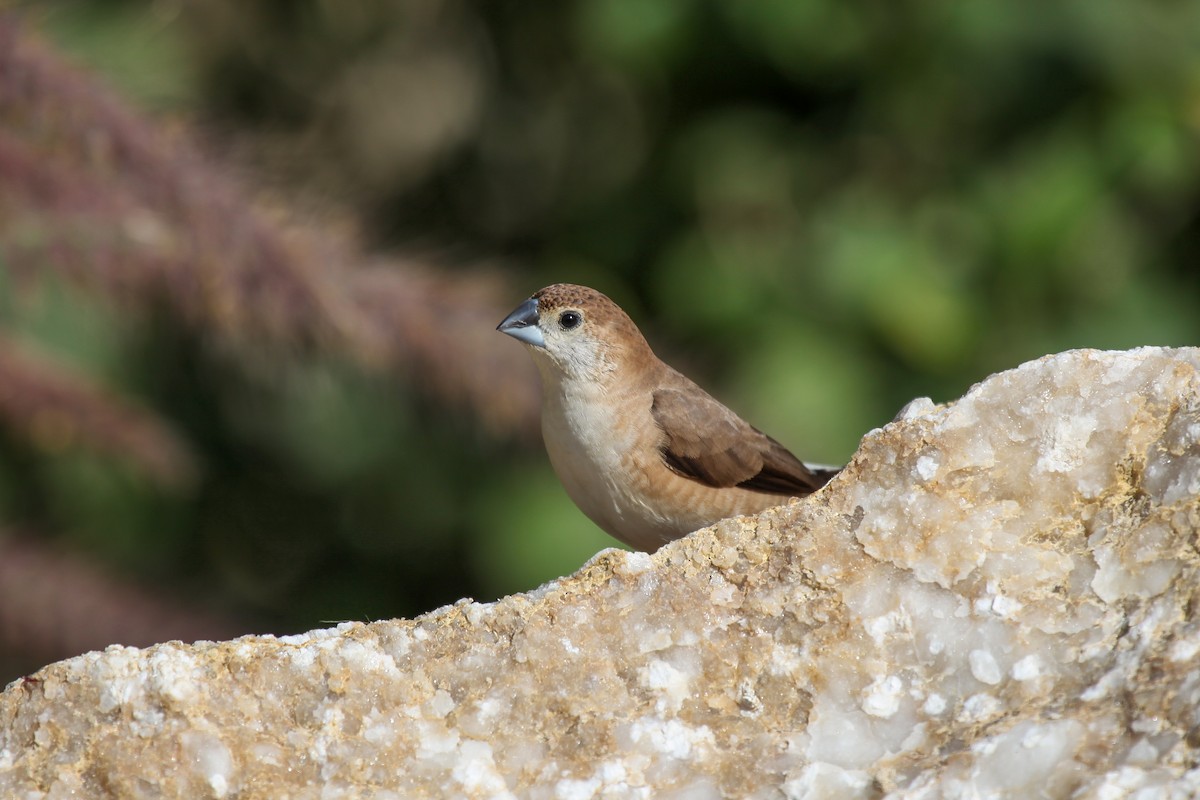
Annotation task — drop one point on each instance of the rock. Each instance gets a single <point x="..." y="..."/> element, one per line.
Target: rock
<point x="998" y="598"/>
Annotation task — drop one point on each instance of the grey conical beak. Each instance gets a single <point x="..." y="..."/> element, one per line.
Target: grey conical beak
<point x="522" y="324"/>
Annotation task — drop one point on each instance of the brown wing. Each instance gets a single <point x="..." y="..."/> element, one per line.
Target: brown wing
<point x="707" y="442"/>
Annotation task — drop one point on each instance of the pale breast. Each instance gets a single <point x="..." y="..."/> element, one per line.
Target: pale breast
<point x="605" y="453"/>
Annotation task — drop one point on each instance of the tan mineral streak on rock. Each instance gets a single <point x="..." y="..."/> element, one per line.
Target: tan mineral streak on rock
<point x="998" y="598"/>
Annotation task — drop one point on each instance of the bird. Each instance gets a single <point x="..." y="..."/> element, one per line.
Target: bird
<point x="641" y="449"/>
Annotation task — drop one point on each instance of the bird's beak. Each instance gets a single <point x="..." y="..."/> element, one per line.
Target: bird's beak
<point x="522" y="324"/>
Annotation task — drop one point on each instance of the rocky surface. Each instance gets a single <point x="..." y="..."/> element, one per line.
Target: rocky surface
<point x="998" y="598"/>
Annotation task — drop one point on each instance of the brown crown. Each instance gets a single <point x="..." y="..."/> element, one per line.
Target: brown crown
<point x="597" y="308"/>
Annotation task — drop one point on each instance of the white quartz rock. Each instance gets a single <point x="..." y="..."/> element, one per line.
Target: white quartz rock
<point x="999" y="597"/>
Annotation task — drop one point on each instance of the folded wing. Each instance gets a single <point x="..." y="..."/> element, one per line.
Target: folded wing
<point x="706" y="442"/>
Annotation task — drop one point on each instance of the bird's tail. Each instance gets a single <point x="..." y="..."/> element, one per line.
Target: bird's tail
<point x="823" y="472"/>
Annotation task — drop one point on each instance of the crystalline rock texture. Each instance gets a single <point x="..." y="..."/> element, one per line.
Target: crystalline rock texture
<point x="998" y="598"/>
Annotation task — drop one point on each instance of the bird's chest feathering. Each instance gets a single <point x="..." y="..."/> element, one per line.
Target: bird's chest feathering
<point x="597" y="442"/>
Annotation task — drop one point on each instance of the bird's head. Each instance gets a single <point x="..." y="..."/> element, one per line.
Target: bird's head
<point x="575" y="331"/>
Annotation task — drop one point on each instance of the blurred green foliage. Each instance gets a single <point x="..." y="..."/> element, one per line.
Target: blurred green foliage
<point x="819" y="209"/>
<point x="839" y="204"/>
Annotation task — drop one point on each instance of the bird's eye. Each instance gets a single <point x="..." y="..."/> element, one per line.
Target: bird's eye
<point x="569" y="319"/>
